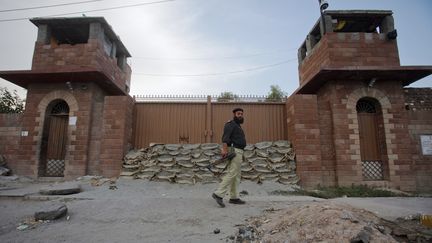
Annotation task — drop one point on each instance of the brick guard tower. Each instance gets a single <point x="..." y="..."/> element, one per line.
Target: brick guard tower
<point x="347" y="120"/>
<point x="77" y="118"/>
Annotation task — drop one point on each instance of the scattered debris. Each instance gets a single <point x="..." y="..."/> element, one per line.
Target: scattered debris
<point x="51" y="212"/>
<point x="408" y="229"/>
<point x="363" y="236"/>
<point x="426" y="220"/>
<point x="315" y="222"/>
<point x="61" y="189"/>
<point x="244" y="193"/>
<point x="23" y="227"/>
<point x="4" y="170"/>
<point x="245" y="234"/>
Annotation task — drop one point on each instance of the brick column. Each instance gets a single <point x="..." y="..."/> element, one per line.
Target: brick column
<point x="304" y="133"/>
<point x="116" y="133"/>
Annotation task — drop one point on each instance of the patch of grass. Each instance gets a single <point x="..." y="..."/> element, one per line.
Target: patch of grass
<point x="334" y="192"/>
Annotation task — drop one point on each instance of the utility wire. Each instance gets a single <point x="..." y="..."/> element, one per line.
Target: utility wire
<point x="48" y="6"/>
<point x="211" y="58"/>
<point x="93" y="10"/>
<point x="217" y="74"/>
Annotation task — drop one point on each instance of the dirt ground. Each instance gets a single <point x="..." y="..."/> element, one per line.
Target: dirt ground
<point x="142" y="211"/>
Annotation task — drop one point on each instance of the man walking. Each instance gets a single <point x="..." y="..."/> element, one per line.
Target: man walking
<point x="233" y="138"/>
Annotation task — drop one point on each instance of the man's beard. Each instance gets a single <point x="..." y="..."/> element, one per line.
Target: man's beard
<point x="239" y="120"/>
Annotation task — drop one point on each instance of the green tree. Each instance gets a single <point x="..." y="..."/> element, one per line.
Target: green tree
<point x="10" y="102"/>
<point x="226" y="97"/>
<point x="276" y="94"/>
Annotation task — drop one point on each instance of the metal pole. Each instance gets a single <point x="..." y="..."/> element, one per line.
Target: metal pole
<point x="322" y="7"/>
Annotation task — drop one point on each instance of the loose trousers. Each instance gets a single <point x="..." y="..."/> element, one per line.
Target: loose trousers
<point x="231" y="180"/>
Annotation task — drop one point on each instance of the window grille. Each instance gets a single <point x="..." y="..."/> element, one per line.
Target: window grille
<point x="365" y="106"/>
<point x="61" y="108"/>
<point x="373" y="170"/>
<point x="55" y="168"/>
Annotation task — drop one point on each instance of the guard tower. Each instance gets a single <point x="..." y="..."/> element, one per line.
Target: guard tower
<point x="77" y="119"/>
<point x="347" y="119"/>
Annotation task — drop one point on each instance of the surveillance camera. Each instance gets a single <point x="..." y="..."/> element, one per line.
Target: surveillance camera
<point x="323" y="4"/>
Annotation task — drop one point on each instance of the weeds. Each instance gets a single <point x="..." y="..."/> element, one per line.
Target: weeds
<point x="334" y="192"/>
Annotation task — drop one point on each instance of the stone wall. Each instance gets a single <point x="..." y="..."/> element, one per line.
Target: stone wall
<point x="187" y="163"/>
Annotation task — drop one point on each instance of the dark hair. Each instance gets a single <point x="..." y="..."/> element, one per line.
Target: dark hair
<point x="237" y="109"/>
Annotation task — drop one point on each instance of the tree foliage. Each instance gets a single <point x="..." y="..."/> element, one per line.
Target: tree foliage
<point x="227" y="96"/>
<point x="10" y="102"/>
<point x="276" y="94"/>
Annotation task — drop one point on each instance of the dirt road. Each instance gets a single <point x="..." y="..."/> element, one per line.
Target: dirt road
<point x="143" y="211"/>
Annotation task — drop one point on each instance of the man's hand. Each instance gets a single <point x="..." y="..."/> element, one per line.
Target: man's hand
<point x="224" y="150"/>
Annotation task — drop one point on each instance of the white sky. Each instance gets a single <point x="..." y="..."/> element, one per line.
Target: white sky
<point x="221" y="37"/>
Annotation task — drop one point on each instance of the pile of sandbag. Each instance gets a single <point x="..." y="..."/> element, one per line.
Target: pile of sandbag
<point x="187" y="163"/>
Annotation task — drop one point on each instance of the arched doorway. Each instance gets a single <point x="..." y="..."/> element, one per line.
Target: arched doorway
<point x="53" y="146"/>
<point x="372" y="141"/>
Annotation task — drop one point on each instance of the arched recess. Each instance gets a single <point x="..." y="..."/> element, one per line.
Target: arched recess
<point x="54" y="139"/>
<point x="53" y="107"/>
<point x="372" y="139"/>
<point x="372" y="103"/>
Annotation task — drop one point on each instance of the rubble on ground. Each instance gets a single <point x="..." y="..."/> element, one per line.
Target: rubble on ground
<point x="4" y="171"/>
<point x="329" y="222"/>
<point x="65" y="188"/>
<point x="316" y="222"/>
<point x="51" y="212"/>
<point x="187" y="163"/>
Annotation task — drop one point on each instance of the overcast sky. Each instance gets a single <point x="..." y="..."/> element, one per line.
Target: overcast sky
<point x="207" y="47"/>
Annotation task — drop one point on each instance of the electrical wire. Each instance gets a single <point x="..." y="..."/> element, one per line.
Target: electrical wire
<point x="211" y="58"/>
<point x="93" y="10"/>
<point x="48" y="6"/>
<point x="216" y="74"/>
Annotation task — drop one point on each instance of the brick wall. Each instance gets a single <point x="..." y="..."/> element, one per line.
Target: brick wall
<point x="95" y="145"/>
<point x="10" y="136"/>
<point x="116" y="133"/>
<point x="39" y="97"/>
<point x="79" y="57"/>
<point x="324" y="130"/>
<point x="93" y="166"/>
<point x="304" y="133"/>
<point x="328" y="153"/>
<point x="349" y="49"/>
<point x="418" y="101"/>
<point x="393" y="122"/>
